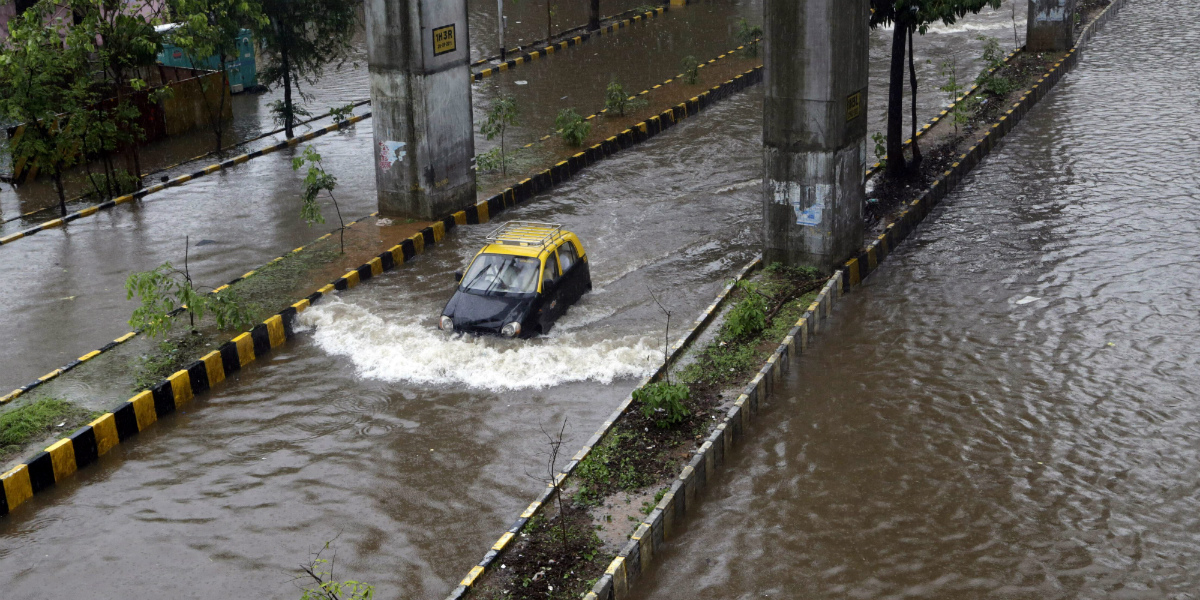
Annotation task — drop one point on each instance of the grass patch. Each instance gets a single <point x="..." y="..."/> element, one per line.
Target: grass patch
<point x="36" y="420"/>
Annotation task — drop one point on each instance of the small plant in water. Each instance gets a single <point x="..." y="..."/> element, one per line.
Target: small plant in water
<point x="880" y="148"/>
<point x="164" y="288"/>
<point x="749" y="35"/>
<point x="616" y="101"/>
<point x="316" y="180"/>
<point x="341" y="113"/>
<point x="319" y="583"/>
<point x="501" y="115"/>
<point x="691" y="70"/>
<point x="961" y="107"/>
<point x="574" y="128"/>
<point x="991" y="80"/>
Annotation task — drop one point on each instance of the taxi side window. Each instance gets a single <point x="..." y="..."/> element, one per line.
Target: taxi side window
<point x="567" y="256"/>
<point x="550" y="273"/>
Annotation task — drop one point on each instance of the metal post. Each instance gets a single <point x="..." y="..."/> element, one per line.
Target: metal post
<point x="500" y="16"/>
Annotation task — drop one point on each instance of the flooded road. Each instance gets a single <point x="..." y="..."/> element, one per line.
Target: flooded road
<point x="64" y="294"/>
<point x="1008" y="407"/>
<point x="413" y="445"/>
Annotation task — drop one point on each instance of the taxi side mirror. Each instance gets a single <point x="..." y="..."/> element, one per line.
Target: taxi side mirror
<point x="458" y="275"/>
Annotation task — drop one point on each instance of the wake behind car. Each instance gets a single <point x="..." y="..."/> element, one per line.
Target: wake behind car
<point x="520" y="283"/>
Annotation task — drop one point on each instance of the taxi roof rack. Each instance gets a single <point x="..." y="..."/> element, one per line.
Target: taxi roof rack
<point x="526" y="233"/>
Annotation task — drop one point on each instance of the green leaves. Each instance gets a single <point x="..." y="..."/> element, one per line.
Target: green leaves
<point x="749" y="316"/>
<point x="164" y="288"/>
<point x="749" y="35"/>
<point x="663" y="402"/>
<point x="691" y="70"/>
<point x="573" y="128"/>
<point x="616" y="101"/>
<point x="316" y="180"/>
<point x="501" y="115"/>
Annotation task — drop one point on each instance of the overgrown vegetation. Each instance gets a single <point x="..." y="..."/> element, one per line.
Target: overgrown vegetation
<point x="573" y="128"/>
<point x="37" y="420"/>
<point x="994" y="83"/>
<point x="663" y="403"/>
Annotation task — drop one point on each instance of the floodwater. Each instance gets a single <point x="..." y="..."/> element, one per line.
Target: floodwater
<point x="411" y="445"/>
<point x="414" y="450"/>
<point x="1008" y="408"/>
<point x="64" y="293"/>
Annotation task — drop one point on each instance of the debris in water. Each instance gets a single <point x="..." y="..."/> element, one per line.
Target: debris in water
<point x="61" y="424"/>
<point x="1027" y="300"/>
<point x="205" y="242"/>
<point x="522" y="82"/>
<point x="383" y="222"/>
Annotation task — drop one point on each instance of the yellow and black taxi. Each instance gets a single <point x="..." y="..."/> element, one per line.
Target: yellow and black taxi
<point x="523" y="280"/>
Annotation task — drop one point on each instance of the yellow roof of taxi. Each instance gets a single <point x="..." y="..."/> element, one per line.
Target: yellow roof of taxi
<point x="525" y="238"/>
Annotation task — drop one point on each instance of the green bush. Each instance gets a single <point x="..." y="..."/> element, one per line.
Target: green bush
<point x="617" y="101"/>
<point x="490" y="161"/>
<point x="691" y="70"/>
<point x="748" y="317"/>
<point x="574" y="128"/>
<point x="663" y="402"/>
<point x="749" y="35"/>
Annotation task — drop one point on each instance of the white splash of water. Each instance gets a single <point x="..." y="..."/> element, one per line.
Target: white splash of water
<point x="415" y="352"/>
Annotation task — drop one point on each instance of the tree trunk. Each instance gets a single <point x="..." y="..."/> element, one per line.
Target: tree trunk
<point x="912" y="83"/>
<point x="62" y="194"/>
<point x="895" y="109"/>
<point x="288" y="115"/>
<point x="219" y="121"/>
<point x="594" y="16"/>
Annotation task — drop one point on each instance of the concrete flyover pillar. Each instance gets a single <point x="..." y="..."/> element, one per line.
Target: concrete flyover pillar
<point x="1051" y="25"/>
<point x="814" y="130"/>
<point x="419" y="59"/>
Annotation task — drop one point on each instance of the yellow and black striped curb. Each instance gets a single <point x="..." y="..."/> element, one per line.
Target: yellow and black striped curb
<point x="62" y="459"/>
<point x="182" y="179"/>
<point x="644" y="92"/>
<point x="875" y="168"/>
<point x="13" y="395"/>
<point x="577" y="40"/>
<point x="664" y="522"/>
<point x="547" y="494"/>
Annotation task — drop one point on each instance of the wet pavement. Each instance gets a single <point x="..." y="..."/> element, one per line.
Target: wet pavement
<point x="413" y="445"/>
<point x="64" y="291"/>
<point x="1007" y="408"/>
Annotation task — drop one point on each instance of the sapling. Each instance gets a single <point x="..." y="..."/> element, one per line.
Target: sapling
<point x="317" y="581"/>
<point x="691" y="70"/>
<point x="749" y="35"/>
<point x="317" y="180"/>
<point x="164" y="288"/>
<point x="617" y="101"/>
<point x="573" y="127"/>
<point x="501" y="115"/>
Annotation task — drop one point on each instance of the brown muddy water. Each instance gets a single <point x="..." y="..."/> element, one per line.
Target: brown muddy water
<point x="1008" y="408"/>
<point x="64" y="291"/>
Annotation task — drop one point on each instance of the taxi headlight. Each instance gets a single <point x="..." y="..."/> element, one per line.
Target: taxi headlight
<point x="511" y="330"/>
<point x="446" y="324"/>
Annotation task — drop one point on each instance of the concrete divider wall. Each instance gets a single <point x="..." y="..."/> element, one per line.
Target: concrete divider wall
<point x="664" y="521"/>
<point x="89" y="443"/>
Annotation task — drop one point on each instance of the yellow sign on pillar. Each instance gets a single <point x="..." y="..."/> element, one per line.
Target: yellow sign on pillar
<point x="444" y="40"/>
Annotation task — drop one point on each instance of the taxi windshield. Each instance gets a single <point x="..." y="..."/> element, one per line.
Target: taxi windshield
<point x="502" y="274"/>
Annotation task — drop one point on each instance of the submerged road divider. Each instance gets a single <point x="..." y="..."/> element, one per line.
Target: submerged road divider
<point x="575" y="40"/>
<point x="86" y="445"/>
<point x="665" y="521"/>
<point x="182" y="179"/>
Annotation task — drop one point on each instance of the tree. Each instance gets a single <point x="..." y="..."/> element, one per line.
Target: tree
<point x="908" y="16"/>
<point x="749" y="35"/>
<point x="299" y="38"/>
<point x="212" y="28"/>
<point x="594" y="15"/>
<point x="617" y="101"/>
<point x="501" y="115"/>
<point x="162" y="289"/>
<point x="44" y="67"/>
<point x="316" y="180"/>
